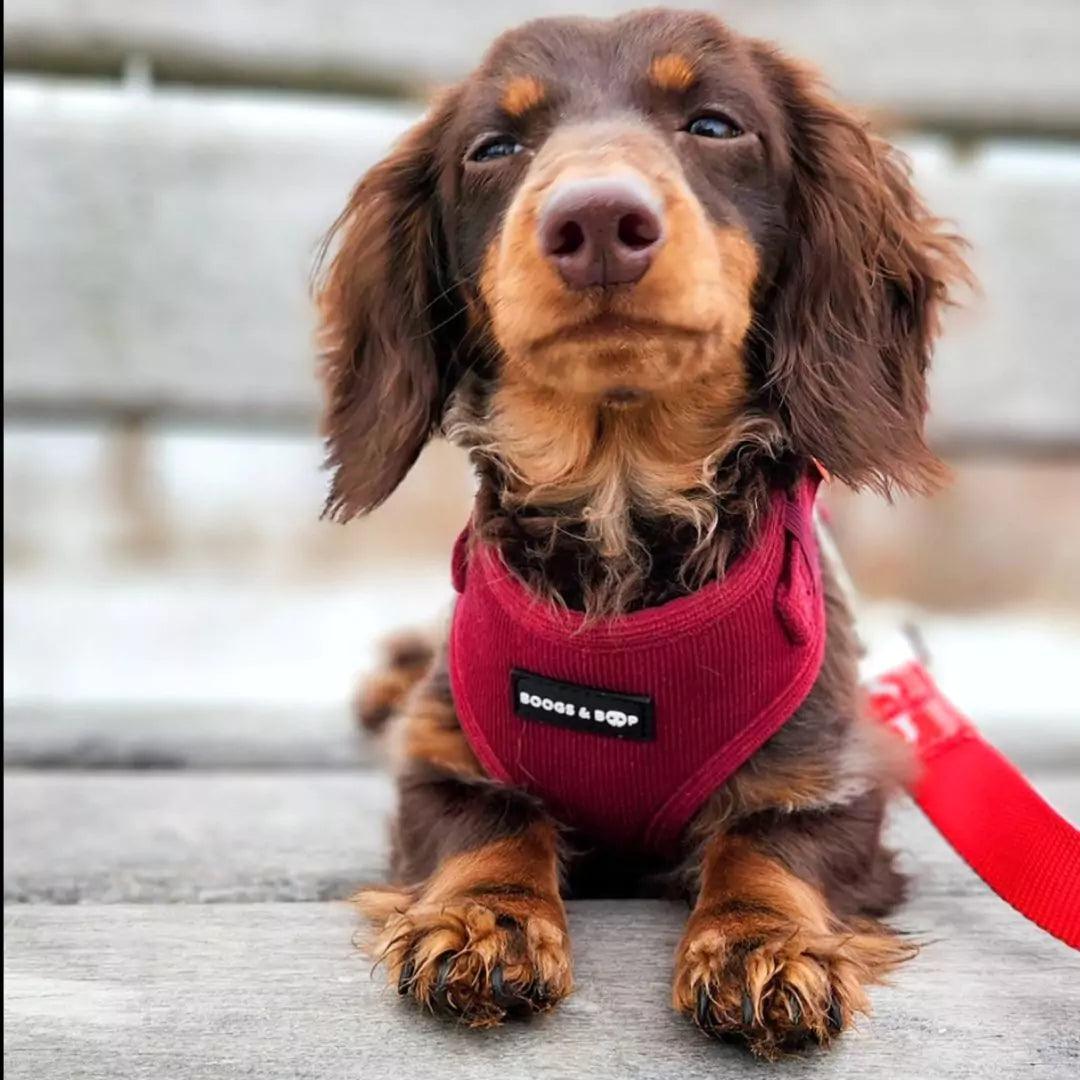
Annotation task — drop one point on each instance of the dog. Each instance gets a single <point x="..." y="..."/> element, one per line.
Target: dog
<point x="657" y="283"/>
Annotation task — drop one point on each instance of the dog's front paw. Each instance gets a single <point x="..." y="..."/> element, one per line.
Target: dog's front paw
<point x="776" y="986"/>
<point x="478" y="961"/>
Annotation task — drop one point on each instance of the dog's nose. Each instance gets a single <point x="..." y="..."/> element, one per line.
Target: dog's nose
<point x="601" y="231"/>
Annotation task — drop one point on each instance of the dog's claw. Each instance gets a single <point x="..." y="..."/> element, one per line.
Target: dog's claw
<point x="408" y="971"/>
<point x="443" y="978"/>
<point x="701" y="1010"/>
<point x="835" y="1015"/>
<point x="441" y="1000"/>
<point x="747" y="1010"/>
<point x="504" y="998"/>
<point x="513" y="999"/>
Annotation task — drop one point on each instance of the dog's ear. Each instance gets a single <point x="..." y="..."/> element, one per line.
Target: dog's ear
<point x="848" y="325"/>
<point x="387" y="353"/>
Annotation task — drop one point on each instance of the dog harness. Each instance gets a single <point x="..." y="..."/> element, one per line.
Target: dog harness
<point x="624" y="726"/>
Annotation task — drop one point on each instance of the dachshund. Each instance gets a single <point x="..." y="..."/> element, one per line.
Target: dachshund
<point x="652" y="278"/>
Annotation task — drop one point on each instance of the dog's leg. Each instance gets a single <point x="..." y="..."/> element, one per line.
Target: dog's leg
<point x="766" y="958"/>
<point x="477" y="929"/>
<point x="405" y="659"/>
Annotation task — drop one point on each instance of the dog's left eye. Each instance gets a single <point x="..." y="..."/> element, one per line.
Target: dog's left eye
<point x="714" y="126"/>
<point x="494" y="147"/>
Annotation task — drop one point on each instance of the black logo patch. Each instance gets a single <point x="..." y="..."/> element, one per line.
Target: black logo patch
<point x="582" y="708"/>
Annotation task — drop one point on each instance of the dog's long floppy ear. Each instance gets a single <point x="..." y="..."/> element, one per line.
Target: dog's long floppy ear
<point x="384" y="337"/>
<point x="848" y="327"/>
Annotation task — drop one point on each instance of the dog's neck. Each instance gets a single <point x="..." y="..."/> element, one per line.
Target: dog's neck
<point x="609" y="508"/>
<point x="605" y="461"/>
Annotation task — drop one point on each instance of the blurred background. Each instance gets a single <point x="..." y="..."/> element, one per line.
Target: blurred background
<point x="171" y="595"/>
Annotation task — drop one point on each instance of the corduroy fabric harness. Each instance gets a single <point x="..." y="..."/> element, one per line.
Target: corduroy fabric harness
<point x="624" y="726"/>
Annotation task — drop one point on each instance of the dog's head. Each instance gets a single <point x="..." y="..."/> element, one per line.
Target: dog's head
<point x="647" y="212"/>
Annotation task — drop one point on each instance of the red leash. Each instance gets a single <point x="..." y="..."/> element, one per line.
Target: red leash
<point x="1011" y="837"/>
<point x="995" y="820"/>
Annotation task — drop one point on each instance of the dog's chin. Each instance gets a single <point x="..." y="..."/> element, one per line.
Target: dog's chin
<point x="615" y="331"/>
<point x="626" y="365"/>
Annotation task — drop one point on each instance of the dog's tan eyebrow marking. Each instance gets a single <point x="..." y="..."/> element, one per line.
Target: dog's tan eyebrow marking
<point x="672" y="71"/>
<point x="522" y="93"/>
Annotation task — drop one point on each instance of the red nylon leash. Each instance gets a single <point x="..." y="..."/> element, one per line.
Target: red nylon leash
<point x="975" y="797"/>
<point x="996" y="821"/>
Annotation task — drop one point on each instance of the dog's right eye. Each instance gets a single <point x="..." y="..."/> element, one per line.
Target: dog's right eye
<point x="494" y="147"/>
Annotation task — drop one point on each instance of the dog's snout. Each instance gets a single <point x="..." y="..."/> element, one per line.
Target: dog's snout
<point x="601" y="231"/>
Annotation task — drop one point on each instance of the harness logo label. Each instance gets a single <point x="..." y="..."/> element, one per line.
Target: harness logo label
<point x="582" y="708"/>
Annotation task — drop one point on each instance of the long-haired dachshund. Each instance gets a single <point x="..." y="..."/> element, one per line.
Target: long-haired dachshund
<point x="657" y="283"/>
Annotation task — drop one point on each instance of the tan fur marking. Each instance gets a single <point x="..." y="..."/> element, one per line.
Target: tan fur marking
<point x="768" y="957"/>
<point x="672" y="72"/>
<point x="527" y="859"/>
<point x="522" y="94"/>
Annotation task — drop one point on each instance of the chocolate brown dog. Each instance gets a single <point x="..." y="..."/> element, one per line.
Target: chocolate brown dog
<point x="647" y="272"/>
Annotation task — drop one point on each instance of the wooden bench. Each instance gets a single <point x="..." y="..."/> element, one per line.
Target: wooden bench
<point x="186" y="804"/>
<point x="965" y="64"/>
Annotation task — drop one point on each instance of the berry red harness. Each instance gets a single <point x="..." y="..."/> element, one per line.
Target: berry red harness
<point x="625" y="726"/>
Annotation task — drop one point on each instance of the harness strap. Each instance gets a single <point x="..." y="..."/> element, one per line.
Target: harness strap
<point x="1009" y="835"/>
<point x="459" y="560"/>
